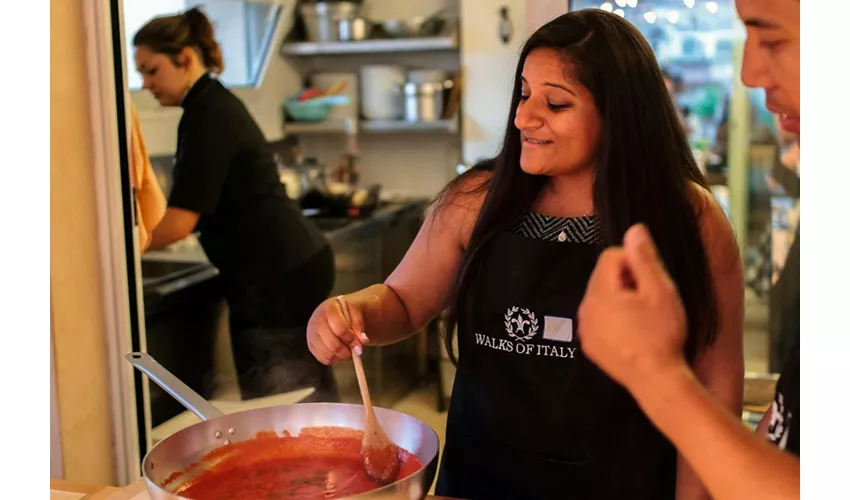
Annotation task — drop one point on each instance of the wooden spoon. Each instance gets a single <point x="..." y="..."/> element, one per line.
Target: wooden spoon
<point x="380" y="454"/>
<point x="336" y="88"/>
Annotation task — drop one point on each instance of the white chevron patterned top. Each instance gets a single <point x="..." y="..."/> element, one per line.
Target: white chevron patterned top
<point x="583" y="230"/>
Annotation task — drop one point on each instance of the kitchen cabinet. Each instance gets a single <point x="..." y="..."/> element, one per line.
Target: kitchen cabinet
<point x="183" y="306"/>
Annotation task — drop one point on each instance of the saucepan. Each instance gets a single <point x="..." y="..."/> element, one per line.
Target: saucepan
<point x="181" y="458"/>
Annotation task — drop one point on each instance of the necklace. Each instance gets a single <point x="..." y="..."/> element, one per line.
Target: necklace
<point x="562" y="236"/>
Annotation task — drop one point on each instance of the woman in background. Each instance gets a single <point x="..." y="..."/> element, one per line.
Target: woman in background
<point x="276" y="265"/>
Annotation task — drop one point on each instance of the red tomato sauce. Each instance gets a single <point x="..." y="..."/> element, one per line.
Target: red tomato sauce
<point x="321" y="462"/>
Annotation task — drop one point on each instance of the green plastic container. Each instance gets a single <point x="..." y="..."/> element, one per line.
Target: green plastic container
<point x="307" y="111"/>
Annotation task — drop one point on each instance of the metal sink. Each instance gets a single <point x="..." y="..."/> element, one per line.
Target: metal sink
<point x="155" y="272"/>
<point x="331" y="223"/>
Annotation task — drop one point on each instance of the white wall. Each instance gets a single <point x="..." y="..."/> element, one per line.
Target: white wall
<point x="489" y="66"/>
<point x="540" y="12"/>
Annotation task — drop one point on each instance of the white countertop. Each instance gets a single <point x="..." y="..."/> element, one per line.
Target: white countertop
<point x="186" y="250"/>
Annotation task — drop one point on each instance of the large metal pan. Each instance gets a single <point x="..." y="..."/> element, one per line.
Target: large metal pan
<point x="178" y="452"/>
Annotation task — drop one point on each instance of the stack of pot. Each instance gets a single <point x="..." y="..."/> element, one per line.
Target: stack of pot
<point x="334" y="21"/>
<point x="425" y="93"/>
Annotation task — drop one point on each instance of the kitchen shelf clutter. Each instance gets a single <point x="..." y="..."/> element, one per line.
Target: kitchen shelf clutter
<point x="389" y="89"/>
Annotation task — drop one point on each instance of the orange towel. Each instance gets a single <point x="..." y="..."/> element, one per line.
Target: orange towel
<point x="150" y="201"/>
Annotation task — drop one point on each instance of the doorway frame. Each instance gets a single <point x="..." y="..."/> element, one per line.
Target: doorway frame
<point x="118" y="241"/>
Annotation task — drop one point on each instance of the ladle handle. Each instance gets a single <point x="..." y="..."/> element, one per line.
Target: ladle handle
<point x="174" y="386"/>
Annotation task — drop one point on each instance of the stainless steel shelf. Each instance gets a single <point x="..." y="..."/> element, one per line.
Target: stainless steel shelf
<point x="325" y="127"/>
<point x="372" y="127"/>
<point x="399" y="126"/>
<point x="371" y="46"/>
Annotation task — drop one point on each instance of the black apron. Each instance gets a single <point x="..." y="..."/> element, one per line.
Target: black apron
<point x="531" y="417"/>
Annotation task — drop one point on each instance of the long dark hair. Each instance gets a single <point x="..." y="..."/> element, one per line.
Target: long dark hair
<point x="645" y="171"/>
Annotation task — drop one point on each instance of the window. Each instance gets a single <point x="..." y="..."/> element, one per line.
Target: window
<point x="692" y="40"/>
<point x="243" y="28"/>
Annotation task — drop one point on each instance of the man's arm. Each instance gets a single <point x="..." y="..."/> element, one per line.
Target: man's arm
<point x="630" y="287"/>
<point x="720" y="366"/>
<point x="731" y="461"/>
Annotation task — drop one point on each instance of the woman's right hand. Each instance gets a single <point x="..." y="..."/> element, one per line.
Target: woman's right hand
<point x="329" y="337"/>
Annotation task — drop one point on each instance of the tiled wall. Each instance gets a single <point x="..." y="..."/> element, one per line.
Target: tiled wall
<point x="406" y="164"/>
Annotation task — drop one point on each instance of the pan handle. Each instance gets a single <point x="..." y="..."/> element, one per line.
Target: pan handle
<point x="174" y="386"/>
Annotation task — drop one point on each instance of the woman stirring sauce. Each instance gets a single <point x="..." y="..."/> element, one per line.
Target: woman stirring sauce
<point x="275" y="265"/>
<point x="593" y="146"/>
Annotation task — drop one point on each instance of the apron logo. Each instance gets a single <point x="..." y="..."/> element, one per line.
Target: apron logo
<point x="521" y="324"/>
<point x="557" y="329"/>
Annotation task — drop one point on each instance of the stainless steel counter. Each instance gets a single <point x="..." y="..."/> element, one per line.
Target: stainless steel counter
<point x="365" y="252"/>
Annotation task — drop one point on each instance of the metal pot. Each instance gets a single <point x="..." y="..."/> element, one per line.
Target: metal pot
<point x="322" y="19"/>
<point x="181" y="451"/>
<point x="380" y="91"/>
<point x="417" y="26"/>
<point x="353" y="30"/>
<point x="423" y="102"/>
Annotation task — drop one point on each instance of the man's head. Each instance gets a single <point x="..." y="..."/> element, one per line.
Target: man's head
<point x="772" y="54"/>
